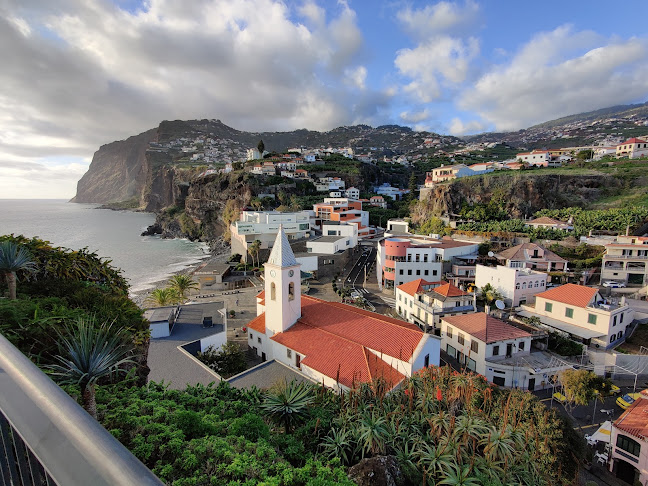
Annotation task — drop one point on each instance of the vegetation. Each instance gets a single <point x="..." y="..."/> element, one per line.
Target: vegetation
<point x="490" y="295"/>
<point x="229" y="361"/>
<point x="162" y="297"/>
<point x="14" y="258"/>
<point x="581" y="386"/>
<point x="581" y="256"/>
<point x="181" y="284"/>
<point x="564" y="346"/>
<point x="90" y="352"/>
<point x="288" y="404"/>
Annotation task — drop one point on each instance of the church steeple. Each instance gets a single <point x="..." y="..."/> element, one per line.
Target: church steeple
<point x="282" y="286"/>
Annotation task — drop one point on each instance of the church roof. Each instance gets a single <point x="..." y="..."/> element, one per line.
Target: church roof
<point x="281" y="254"/>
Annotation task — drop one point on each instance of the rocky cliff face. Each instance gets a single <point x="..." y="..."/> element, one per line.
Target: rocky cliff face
<point x="118" y="171"/>
<point x="519" y="194"/>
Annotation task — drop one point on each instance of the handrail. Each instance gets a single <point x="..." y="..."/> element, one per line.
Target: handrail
<point x="73" y="448"/>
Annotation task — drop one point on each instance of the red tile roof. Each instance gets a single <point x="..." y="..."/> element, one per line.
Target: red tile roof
<point x="634" y="421"/>
<point x="258" y="324"/>
<point x="413" y="287"/>
<point x="545" y="220"/>
<point x="571" y="294"/>
<point x="632" y="140"/>
<point x="485" y="328"/>
<point x="449" y="290"/>
<point x="261" y="295"/>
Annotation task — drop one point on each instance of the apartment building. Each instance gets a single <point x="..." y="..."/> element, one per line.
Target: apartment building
<point x="343" y="210"/>
<point x="517" y="285"/>
<point x="629" y="443"/>
<point x="539" y="158"/>
<point x="264" y="225"/>
<point x="533" y="256"/>
<point x="625" y="260"/>
<point x="424" y="303"/>
<point x="405" y="258"/>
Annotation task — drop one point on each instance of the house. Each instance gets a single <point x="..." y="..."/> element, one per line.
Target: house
<point x="211" y="276"/>
<point x="397" y="226"/>
<point x="402" y="259"/>
<point x="583" y="314"/>
<point x="301" y="174"/>
<point x="330" y="184"/>
<point x="450" y="172"/>
<point x="538" y="158"/>
<point x="263" y="226"/>
<point x="378" y="201"/>
<point x="161" y="320"/>
<point x="343" y="210"/>
<point x="517" y="285"/>
<point x="253" y="154"/>
<point x="500" y="352"/>
<point x="352" y="193"/>
<point x="550" y="223"/>
<point x="268" y="168"/>
<point x="625" y="260"/>
<point x="629" y="443"/>
<point x="600" y="152"/>
<point x="632" y="148"/>
<point x="424" y="303"/>
<point x="257" y="169"/>
<point x="335" y="344"/>
<point x="533" y="256"/>
<point x="387" y="190"/>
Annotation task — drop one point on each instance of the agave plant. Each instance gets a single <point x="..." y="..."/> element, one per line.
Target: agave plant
<point x="14" y="258"/>
<point x="289" y="404"/>
<point x="88" y="353"/>
<point x="339" y="443"/>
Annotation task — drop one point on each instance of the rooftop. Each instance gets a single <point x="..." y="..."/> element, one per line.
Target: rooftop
<point x="572" y="294"/>
<point x="327" y="239"/>
<point x="521" y="252"/>
<point x="281" y="254"/>
<point x="266" y="375"/>
<point x="485" y="327"/>
<point x="634" y="421"/>
<point x="158" y="314"/>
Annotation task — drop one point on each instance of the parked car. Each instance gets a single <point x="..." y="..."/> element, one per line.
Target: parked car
<point x="560" y="397"/>
<point x="613" y="390"/>
<point x="614" y="285"/>
<point x="626" y="400"/>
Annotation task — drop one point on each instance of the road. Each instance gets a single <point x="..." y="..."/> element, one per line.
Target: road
<point x="356" y="277"/>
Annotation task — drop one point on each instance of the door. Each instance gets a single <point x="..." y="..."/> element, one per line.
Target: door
<point x="499" y="380"/>
<point x="626" y="471"/>
<point x="263" y="357"/>
<point x="297" y="361"/>
<point x="531" y="384"/>
<point x="509" y="350"/>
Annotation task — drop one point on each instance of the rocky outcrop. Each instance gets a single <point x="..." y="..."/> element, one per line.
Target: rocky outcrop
<point x="377" y="471"/>
<point x="118" y="171"/>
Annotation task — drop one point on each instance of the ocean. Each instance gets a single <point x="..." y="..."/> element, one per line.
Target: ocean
<point x="114" y="235"/>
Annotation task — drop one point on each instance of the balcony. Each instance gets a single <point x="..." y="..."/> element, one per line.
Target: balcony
<point x="48" y="439"/>
<point x="625" y="257"/>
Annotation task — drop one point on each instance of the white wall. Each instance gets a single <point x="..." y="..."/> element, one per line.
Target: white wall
<point x="159" y="330"/>
<point x="308" y="263"/>
<point x="216" y="340"/>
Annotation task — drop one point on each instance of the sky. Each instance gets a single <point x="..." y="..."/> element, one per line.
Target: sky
<point x="76" y="74"/>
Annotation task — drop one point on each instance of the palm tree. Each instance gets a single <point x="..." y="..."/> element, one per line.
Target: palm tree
<point x="253" y="250"/>
<point x="13" y="258"/>
<point x="89" y="353"/>
<point x="162" y="297"/>
<point x="490" y="294"/>
<point x="289" y="404"/>
<point x="181" y="284"/>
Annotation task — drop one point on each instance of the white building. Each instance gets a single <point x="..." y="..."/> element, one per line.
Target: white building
<point x="633" y="148"/>
<point x="582" y="313"/>
<point x="498" y="351"/>
<point x="625" y="260"/>
<point x="264" y="225"/>
<point x="424" y="303"/>
<point x="327" y="184"/>
<point x="517" y="285"/>
<point x="539" y="158"/>
<point x="352" y="193"/>
<point x="378" y="201"/>
<point x="405" y="258"/>
<point x="533" y="256"/>
<point x="253" y="154"/>
<point x="387" y="190"/>
<point x="334" y="344"/>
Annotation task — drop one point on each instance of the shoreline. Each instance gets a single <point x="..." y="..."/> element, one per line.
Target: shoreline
<point x="140" y="296"/>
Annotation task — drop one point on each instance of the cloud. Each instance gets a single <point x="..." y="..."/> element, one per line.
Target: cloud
<point x="440" y="18"/>
<point x="79" y="74"/>
<point x="444" y="50"/>
<point x="559" y="73"/>
<point x="42" y="178"/>
<point x="415" y="116"/>
<point x="458" y="127"/>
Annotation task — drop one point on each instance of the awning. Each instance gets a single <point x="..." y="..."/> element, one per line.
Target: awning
<point x="563" y="326"/>
<point x="603" y="432"/>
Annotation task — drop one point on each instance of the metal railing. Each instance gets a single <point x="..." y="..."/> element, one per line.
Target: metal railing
<point x="46" y="438"/>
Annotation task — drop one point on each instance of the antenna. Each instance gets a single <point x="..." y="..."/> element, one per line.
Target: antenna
<point x="500" y="305"/>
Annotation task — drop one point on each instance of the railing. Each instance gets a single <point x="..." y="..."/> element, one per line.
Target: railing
<point x="46" y="438"/>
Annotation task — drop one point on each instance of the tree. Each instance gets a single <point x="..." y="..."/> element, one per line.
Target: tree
<point x="253" y="250"/>
<point x="289" y="404"/>
<point x="490" y="294"/>
<point x="228" y="361"/>
<point x="261" y="147"/>
<point x="88" y="353"/>
<point x="162" y="297"/>
<point x="13" y="258"/>
<point x="181" y="284"/>
<point x="580" y="386"/>
<point x="413" y="187"/>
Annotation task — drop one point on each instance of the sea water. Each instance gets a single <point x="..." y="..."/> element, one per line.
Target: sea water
<point x="113" y="235"/>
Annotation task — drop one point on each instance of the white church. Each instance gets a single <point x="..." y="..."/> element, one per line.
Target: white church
<point x="335" y="344"/>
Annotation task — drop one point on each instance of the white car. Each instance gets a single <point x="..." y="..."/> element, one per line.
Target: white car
<point x="614" y="285"/>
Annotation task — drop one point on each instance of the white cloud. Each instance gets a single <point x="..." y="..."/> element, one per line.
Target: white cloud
<point x="551" y="77"/>
<point x="79" y="74"/>
<point x="440" y="18"/>
<point x="415" y="116"/>
<point x="458" y="127"/>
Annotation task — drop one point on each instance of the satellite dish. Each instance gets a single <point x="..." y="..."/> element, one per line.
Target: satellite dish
<point x="500" y="305"/>
<point x="491" y="254"/>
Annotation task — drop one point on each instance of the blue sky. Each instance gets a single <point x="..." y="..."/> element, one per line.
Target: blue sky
<point x="80" y="73"/>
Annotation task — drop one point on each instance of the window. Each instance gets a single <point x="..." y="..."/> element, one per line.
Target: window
<point x="251" y="336"/>
<point x="521" y="346"/>
<point x="569" y="312"/>
<point x="591" y="318"/>
<point x="548" y="307"/>
<point x="523" y="285"/>
<point x="426" y="362"/>
<point x="259" y="340"/>
<point x="273" y="291"/>
<point x="449" y="331"/>
<point x="474" y="346"/>
<point x="418" y="257"/>
<point x="418" y="272"/>
<point x="495" y="350"/>
<point x="409" y="272"/>
<point x="536" y="283"/>
<point x="517" y="286"/>
<point x="612" y="338"/>
<point x="621" y="317"/>
<point x="628" y="445"/>
<point x="425" y="257"/>
<point x="434" y="272"/>
<point x="400" y="271"/>
<point x="460" y="338"/>
<point x="291" y="291"/>
<point x="614" y="321"/>
<point x="620" y="335"/>
<point x="542" y="284"/>
<point x="400" y="297"/>
<point x="425" y="272"/>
